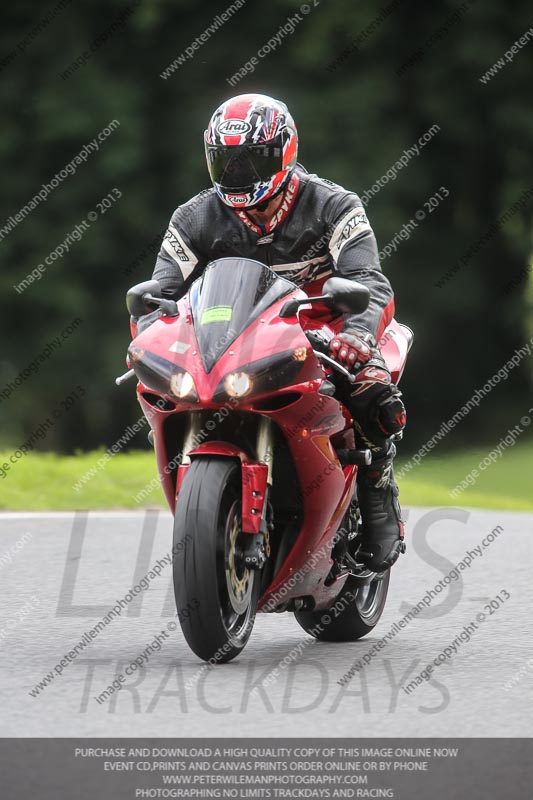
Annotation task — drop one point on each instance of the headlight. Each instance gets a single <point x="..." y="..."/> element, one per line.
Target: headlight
<point x="237" y="384"/>
<point x="265" y="375"/>
<point x="182" y="384"/>
<point x="162" y="376"/>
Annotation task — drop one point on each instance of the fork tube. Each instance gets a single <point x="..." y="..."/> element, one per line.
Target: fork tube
<point x="265" y="448"/>
<point x="192" y="430"/>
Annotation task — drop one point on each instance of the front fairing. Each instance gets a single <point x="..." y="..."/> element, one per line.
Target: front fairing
<point x="229" y="322"/>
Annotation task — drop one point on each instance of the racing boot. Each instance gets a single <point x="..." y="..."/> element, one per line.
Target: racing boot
<point x="382" y="525"/>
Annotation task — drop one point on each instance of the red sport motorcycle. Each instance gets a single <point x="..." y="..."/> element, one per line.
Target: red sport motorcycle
<point x="256" y="456"/>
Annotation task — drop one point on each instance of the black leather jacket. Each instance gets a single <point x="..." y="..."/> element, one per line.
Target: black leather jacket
<point x="320" y="229"/>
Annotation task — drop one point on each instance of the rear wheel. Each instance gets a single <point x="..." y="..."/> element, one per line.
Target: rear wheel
<point x="216" y="597"/>
<point x="356" y="611"/>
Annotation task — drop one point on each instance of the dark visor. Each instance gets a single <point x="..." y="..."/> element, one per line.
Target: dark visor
<point x="240" y="166"/>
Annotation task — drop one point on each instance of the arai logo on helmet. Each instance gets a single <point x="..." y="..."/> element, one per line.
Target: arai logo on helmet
<point x="237" y="199"/>
<point x="233" y="127"/>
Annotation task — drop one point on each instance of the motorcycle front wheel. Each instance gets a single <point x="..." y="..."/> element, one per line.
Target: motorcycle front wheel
<point x="216" y="597"/>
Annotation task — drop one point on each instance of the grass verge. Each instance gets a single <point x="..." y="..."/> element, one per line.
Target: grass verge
<point x="46" y="481"/>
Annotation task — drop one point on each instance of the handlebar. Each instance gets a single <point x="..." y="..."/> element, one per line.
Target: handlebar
<point x="123" y="378"/>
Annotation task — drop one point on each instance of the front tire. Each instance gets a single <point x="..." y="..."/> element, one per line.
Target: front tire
<point x="349" y="619"/>
<point x="216" y="598"/>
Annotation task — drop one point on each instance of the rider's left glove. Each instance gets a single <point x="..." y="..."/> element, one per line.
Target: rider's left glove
<point x="353" y="348"/>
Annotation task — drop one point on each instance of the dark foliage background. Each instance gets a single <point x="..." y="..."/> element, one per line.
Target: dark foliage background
<point x="354" y="123"/>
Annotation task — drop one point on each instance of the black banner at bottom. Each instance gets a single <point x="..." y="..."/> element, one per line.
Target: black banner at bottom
<point x="405" y="769"/>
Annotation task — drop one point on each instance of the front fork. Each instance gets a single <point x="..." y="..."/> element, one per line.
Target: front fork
<point x="265" y="445"/>
<point x="256" y="483"/>
<point x="256" y="549"/>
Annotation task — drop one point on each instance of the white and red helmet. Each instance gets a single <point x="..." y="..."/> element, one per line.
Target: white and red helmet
<point x="251" y="146"/>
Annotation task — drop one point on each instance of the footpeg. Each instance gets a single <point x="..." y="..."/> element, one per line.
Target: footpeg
<point x="357" y="570"/>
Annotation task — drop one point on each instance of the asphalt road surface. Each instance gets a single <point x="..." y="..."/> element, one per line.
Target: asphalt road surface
<point x="61" y="573"/>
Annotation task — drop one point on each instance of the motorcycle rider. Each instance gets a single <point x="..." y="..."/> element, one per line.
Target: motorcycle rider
<point x="264" y="205"/>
